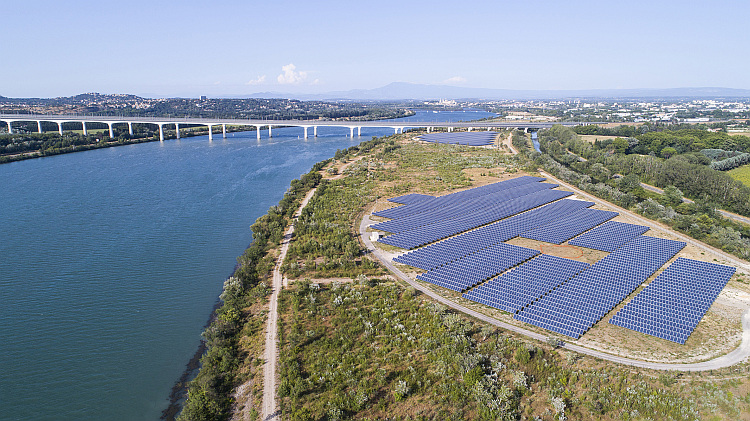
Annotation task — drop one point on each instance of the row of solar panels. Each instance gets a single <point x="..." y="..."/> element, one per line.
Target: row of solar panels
<point x="671" y="306"/>
<point x="454" y="198"/>
<point x="461" y="138"/>
<point x="443" y="229"/>
<point x="462" y="208"/>
<point x="410" y="198"/>
<point x="440" y="253"/>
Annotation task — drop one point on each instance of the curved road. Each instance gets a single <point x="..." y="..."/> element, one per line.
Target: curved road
<point x="738" y="355"/>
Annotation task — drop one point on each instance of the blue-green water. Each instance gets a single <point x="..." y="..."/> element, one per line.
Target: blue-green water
<point x="111" y="261"/>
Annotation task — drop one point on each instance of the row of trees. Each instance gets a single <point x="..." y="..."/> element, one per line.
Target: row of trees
<point x="676" y="175"/>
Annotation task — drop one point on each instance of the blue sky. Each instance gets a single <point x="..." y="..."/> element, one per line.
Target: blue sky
<point x="187" y="48"/>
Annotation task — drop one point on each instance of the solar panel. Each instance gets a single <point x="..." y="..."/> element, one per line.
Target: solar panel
<point x="576" y="305"/>
<point x="410" y="198"/>
<point x="569" y="226"/>
<point x="438" y="254"/>
<point x="468" y="271"/>
<point x="461" y="138"/>
<point x="452" y="198"/>
<point x="518" y="288"/>
<point x="444" y="229"/>
<point x="609" y="236"/>
<point x="459" y="209"/>
<point x="673" y="304"/>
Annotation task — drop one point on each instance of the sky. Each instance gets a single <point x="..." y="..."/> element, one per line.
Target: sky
<point x="221" y="48"/>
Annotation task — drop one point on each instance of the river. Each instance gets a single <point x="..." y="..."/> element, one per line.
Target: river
<point x="112" y="260"/>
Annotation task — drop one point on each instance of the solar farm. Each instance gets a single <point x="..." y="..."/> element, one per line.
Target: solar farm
<point x="461" y="138"/>
<point x="458" y="241"/>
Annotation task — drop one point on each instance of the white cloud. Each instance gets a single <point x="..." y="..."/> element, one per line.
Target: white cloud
<point x="455" y="80"/>
<point x="257" y="81"/>
<point x="290" y="76"/>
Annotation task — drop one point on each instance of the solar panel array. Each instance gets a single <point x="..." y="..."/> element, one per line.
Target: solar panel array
<point x="443" y="229"/>
<point x="462" y="208"/>
<point x="609" y="236"/>
<point x="468" y="271"/>
<point x="519" y="287"/>
<point x="410" y="198"/>
<point x="461" y="138"/>
<point x="671" y="306"/>
<point x="569" y="226"/>
<point x="454" y="198"/>
<point x="576" y="305"/>
<point x="438" y="254"/>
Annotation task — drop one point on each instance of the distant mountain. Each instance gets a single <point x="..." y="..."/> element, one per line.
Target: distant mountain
<point x="413" y="91"/>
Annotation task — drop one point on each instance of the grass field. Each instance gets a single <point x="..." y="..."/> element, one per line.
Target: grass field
<point x="593" y="138"/>
<point x="741" y="174"/>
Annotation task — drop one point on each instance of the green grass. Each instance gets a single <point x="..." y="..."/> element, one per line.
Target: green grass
<point x="741" y="174"/>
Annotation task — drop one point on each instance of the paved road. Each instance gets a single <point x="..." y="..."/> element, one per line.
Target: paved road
<point x="722" y="212"/>
<point x="734" y="357"/>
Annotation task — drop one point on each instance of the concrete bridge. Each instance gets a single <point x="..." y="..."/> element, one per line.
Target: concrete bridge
<point x="396" y="125"/>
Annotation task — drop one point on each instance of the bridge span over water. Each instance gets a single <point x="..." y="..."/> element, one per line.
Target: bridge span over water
<point x="396" y="125"/>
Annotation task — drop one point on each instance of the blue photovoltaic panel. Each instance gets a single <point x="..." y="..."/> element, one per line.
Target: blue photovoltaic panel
<point x="609" y="236"/>
<point x="461" y="138"/>
<point x="410" y="198"/>
<point x="444" y="229"/>
<point x="671" y="306"/>
<point x="517" y="288"/>
<point x="459" y="209"/>
<point x="468" y="271"/>
<point x="438" y="254"/>
<point x="571" y="225"/>
<point x="454" y="198"/>
<point x="576" y="305"/>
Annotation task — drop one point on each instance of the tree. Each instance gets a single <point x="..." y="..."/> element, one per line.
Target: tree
<point x="629" y="182"/>
<point x="672" y="196"/>
<point x="668" y="152"/>
<point x="620" y="144"/>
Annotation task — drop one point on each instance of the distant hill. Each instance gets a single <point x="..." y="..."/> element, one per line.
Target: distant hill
<point x="414" y="91"/>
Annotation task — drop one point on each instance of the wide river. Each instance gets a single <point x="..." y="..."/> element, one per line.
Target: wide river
<point x="111" y="261"/>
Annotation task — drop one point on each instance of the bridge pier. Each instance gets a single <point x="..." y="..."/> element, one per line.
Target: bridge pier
<point x="257" y="131"/>
<point x="469" y="129"/>
<point x="351" y="131"/>
<point x="130" y="128"/>
<point x="270" y="135"/>
<point x="38" y="125"/>
<point x="210" y="133"/>
<point x="177" y="129"/>
<point x="305" y="129"/>
<point x="161" y="132"/>
<point x="450" y="129"/>
<point x="85" y="133"/>
<point x="224" y="131"/>
<point x="111" y="132"/>
<point x="315" y="131"/>
<point x="10" y="128"/>
<point x="359" y="131"/>
<point x="59" y="127"/>
<point x="429" y="129"/>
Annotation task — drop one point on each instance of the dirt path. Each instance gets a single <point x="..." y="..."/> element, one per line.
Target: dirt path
<point x="269" y="409"/>
<point x="509" y="143"/>
<point x="738" y="355"/>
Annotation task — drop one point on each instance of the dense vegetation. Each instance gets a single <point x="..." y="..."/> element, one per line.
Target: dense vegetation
<point x="236" y="331"/>
<point x="272" y="108"/>
<point x="373" y="350"/>
<point x="591" y="167"/>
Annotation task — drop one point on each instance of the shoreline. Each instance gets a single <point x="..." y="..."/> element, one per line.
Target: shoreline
<point x="179" y="392"/>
